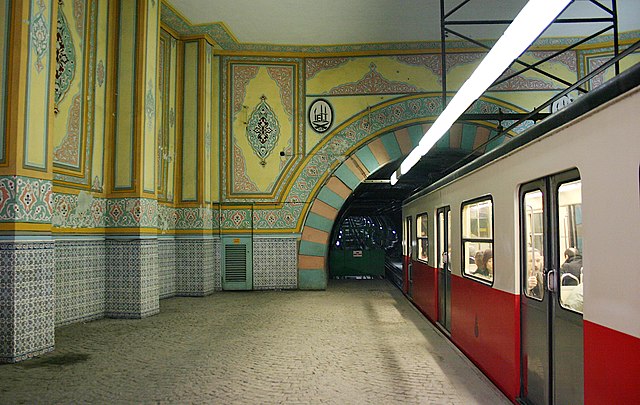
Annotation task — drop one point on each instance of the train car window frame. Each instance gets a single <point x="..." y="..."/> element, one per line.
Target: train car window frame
<point x="422" y="237"/>
<point x="570" y="296"/>
<point x="483" y="243"/>
<point x="532" y="243"/>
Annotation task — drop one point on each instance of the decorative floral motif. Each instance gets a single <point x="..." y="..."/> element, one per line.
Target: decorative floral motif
<point x="314" y="66"/>
<point x="132" y="212"/>
<point x="65" y="59"/>
<point x="39" y="39"/>
<point x="431" y="62"/>
<point x="23" y="199"/>
<point x="207" y="138"/>
<point x="568" y="59"/>
<point x="150" y="106"/>
<point x="593" y="64"/>
<point x="242" y="75"/>
<point x="263" y="130"/>
<point x="373" y="83"/>
<point x="283" y="76"/>
<point x="172" y="117"/>
<point x="78" y="15"/>
<point x="241" y="182"/>
<point x="68" y="152"/>
<point x="100" y="73"/>
<point x="78" y="211"/>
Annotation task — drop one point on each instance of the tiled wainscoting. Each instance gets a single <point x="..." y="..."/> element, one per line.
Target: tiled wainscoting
<point x="26" y="299"/>
<point x="275" y="263"/>
<point x="80" y="267"/>
<point x="132" y="278"/>
<point x="194" y="267"/>
<point x="167" y="267"/>
<point x="45" y="284"/>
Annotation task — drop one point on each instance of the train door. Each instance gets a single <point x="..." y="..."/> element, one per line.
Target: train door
<point x="552" y="361"/>
<point x="408" y="256"/>
<point x="443" y="241"/>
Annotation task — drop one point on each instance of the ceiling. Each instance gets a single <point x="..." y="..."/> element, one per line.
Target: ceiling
<point x="337" y="22"/>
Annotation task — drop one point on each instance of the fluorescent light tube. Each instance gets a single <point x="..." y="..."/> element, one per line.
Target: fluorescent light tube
<point x="532" y="20"/>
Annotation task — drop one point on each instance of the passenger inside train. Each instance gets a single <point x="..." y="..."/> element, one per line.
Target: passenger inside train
<point x="484" y="261"/>
<point x="535" y="285"/>
<point x="571" y="269"/>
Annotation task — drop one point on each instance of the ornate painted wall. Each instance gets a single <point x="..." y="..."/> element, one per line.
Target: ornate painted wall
<point x="132" y="143"/>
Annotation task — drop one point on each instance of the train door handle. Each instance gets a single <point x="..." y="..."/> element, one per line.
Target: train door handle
<point x="551" y="281"/>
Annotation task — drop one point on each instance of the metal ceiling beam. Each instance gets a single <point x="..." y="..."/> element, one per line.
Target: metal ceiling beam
<point x="446" y="20"/>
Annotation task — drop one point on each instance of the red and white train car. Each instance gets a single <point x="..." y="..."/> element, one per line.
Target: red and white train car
<point x="529" y="258"/>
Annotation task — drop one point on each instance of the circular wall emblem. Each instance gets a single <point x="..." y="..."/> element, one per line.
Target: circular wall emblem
<point x="320" y="115"/>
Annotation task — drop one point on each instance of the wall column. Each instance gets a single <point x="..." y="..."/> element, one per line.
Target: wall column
<point x="196" y="248"/>
<point x="27" y="315"/>
<point x="132" y="207"/>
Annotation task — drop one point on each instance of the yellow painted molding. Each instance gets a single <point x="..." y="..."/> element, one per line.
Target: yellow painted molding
<point x="202" y="63"/>
<point x="177" y="183"/>
<point x="110" y="101"/>
<point x="17" y="71"/>
<point x="130" y="231"/>
<point x="170" y="31"/>
<point x="24" y="226"/>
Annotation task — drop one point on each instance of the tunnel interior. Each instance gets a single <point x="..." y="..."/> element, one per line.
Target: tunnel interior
<point x="366" y="239"/>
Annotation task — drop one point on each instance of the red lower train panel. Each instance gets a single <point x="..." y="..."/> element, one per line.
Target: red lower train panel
<point x="486" y="327"/>
<point x="405" y="274"/>
<point x="425" y="289"/>
<point x="485" y="324"/>
<point x="611" y="366"/>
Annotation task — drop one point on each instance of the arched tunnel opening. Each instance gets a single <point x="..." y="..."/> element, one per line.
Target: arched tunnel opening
<point x="366" y="239"/>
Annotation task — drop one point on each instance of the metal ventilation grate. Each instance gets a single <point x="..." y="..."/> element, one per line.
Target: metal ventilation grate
<point x="235" y="264"/>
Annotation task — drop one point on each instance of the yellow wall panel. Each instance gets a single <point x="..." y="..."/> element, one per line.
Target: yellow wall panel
<point x="173" y="66"/>
<point x="36" y="132"/>
<point x="215" y="131"/>
<point x="99" y="115"/>
<point x="208" y="95"/>
<point x="189" y="175"/>
<point x="124" y="131"/>
<point x="344" y="108"/>
<point x="5" y="17"/>
<point x="262" y="176"/>
<point x="149" y="137"/>
<point x="69" y="133"/>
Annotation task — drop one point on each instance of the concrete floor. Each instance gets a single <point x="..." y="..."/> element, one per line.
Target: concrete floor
<point x="358" y="342"/>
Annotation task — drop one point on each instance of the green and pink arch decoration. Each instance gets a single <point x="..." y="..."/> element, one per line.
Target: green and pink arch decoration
<point x="378" y="137"/>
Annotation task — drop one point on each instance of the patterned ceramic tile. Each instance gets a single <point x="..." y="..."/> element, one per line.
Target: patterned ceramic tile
<point x="167" y="267"/>
<point x="275" y="263"/>
<point x="132" y="278"/>
<point x="80" y="269"/>
<point x="26" y="299"/>
<point x="195" y="272"/>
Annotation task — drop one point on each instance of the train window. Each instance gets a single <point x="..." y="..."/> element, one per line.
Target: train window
<point x="570" y="244"/>
<point x="422" y="227"/>
<point x="477" y="238"/>
<point x="533" y="223"/>
<point x="406" y="241"/>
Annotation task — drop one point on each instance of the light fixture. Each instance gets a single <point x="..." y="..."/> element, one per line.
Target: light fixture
<point x="532" y="20"/>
